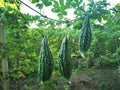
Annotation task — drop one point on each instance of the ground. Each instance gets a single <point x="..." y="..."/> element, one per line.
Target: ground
<point x="101" y="79"/>
<point x="90" y="79"/>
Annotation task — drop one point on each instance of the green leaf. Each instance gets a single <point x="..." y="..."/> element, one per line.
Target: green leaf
<point x="81" y="1"/>
<point x="78" y="2"/>
<point x="61" y="3"/>
<point x="56" y="4"/>
<point x="64" y="13"/>
<point x="48" y="3"/>
<point x="56" y="10"/>
<point x="35" y="1"/>
<point x="68" y="3"/>
<point x="40" y="6"/>
<point x="60" y="15"/>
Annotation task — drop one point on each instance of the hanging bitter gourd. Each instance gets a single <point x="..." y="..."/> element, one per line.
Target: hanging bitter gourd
<point x="85" y="36"/>
<point x="64" y="59"/>
<point x="46" y="61"/>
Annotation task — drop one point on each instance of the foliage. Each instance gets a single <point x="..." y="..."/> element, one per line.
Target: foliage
<point x="96" y="9"/>
<point x="23" y="42"/>
<point x="25" y="54"/>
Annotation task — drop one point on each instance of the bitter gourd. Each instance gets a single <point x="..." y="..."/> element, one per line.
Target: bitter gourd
<point x="64" y="59"/>
<point x="85" y="36"/>
<point x="46" y="61"/>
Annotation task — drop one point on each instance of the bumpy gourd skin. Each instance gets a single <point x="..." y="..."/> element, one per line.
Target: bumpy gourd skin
<point x="64" y="59"/>
<point x="46" y="61"/>
<point x="85" y="36"/>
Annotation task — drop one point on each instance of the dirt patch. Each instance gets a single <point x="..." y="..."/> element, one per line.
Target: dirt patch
<point x="100" y="79"/>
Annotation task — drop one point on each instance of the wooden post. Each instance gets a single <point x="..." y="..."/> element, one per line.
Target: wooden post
<point x="4" y="60"/>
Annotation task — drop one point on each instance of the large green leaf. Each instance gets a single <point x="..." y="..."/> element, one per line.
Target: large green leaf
<point x="40" y="6"/>
<point x="78" y="1"/>
<point x="56" y="10"/>
<point x="68" y="4"/>
<point x="48" y="3"/>
<point x="35" y="1"/>
<point x="56" y="4"/>
<point x="60" y="7"/>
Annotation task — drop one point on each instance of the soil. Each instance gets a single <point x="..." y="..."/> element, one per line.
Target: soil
<point x="100" y="79"/>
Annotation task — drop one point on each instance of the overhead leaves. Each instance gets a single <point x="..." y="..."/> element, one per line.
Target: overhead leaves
<point x="98" y="9"/>
<point x="60" y="7"/>
<point x="41" y="3"/>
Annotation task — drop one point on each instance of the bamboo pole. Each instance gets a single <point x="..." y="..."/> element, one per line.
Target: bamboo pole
<point x="4" y="60"/>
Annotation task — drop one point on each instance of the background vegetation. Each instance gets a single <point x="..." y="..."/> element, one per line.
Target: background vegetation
<point x="23" y="42"/>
